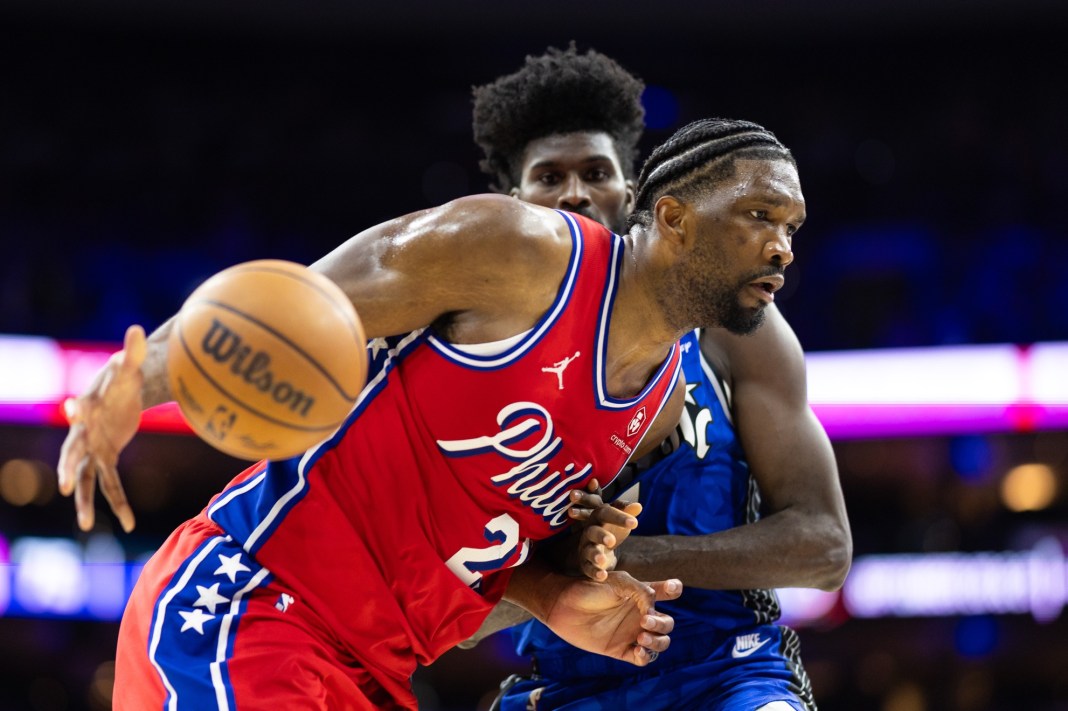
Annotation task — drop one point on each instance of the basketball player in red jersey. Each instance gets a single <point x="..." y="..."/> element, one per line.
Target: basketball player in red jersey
<point x="538" y="351"/>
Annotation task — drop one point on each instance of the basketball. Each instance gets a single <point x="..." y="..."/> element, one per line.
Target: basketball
<point x="266" y="359"/>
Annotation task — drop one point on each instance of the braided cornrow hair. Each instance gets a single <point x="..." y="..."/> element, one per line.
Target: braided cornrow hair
<point x="697" y="157"/>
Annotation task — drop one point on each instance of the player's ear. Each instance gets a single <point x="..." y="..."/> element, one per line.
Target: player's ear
<point x="628" y="203"/>
<point x="674" y="222"/>
<point x="514" y="192"/>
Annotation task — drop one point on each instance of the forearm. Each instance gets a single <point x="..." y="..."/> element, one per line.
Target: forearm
<point x="786" y="549"/>
<point x="156" y="388"/>
<point x="534" y="588"/>
<point x="503" y="616"/>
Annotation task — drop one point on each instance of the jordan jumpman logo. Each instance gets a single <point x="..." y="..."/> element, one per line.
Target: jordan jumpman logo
<point x="559" y="367"/>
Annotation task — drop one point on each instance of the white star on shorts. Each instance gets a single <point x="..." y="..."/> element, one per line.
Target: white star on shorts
<point x="231" y="566"/>
<point x="195" y="620"/>
<point x="209" y="597"/>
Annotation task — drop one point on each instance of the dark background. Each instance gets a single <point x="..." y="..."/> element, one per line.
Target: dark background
<point x="144" y="146"/>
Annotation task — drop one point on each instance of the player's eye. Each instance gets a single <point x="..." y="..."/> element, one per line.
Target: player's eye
<point x="759" y="214"/>
<point x="597" y="175"/>
<point x="548" y="178"/>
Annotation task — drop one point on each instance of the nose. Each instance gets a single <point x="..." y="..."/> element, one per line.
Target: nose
<point x="778" y="252"/>
<point x="573" y="193"/>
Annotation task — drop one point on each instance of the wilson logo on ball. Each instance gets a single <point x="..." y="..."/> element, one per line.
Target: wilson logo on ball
<point x="266" y="359"/>
<point x="253" y="366"/>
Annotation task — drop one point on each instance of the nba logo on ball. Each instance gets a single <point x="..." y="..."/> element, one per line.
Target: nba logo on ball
<point x="266" y="359"/>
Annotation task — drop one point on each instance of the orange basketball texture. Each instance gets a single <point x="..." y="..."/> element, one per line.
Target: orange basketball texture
<point x="266" y="359"/>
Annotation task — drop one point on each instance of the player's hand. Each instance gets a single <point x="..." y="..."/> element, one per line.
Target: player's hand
<point x="602" y="528"/>
<point x="616" y="618"/>
<point x="102" y="421"/>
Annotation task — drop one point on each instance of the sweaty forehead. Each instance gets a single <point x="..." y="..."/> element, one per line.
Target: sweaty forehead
<point x="776" y="177"/>
<point x="564" y="149"/>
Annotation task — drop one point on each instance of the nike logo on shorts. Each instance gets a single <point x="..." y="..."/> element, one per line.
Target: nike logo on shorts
<point x="746" y="644"/>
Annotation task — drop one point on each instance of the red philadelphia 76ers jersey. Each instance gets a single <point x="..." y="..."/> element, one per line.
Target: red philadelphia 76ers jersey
<point x="397" y="529"/>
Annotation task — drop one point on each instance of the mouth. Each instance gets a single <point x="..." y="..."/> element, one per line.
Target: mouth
<point x="765" y="287"/>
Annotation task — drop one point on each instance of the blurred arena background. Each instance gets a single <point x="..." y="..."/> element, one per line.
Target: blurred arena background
<point x="146" y="146"/>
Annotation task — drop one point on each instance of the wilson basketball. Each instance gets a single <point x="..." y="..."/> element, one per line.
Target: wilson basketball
<point x="266" y="359"/>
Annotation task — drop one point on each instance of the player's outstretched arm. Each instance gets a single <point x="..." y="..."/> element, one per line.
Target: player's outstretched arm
<point x="616" y="618"/>
<point x="401" y="275"/>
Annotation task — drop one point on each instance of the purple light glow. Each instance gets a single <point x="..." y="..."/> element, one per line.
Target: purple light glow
<point x="924" y="585"/>
<point x="856" y="394"/>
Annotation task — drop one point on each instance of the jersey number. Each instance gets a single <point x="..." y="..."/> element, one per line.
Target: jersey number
<point x="503" y="534"/>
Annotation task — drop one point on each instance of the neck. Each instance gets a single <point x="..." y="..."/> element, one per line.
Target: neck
<point x="641" y="332"/>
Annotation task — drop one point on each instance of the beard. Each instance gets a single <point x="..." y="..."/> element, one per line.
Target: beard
<point x="733" y="316"/>
<point x="708" y="298"/>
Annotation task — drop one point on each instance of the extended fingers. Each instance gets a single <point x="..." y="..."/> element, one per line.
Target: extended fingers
<point x="585" y="500"/>
<point x="667" y="589"/>
<point x="656" y="624"/>
<point x="654" y="635"/>
<point x="653" y="639"/>
<point x="71" y="454"/>
<point x="102" y="421"/>
<point x="648" y="648"/>
<point x="78" y="472"/>
<point x="595" y="563"/>
<point x="594" y="535"/>
<point x="84" y="488"/>
<point x="111" y="487"/>
<point x="594" y="553"/>
<point x="642" y="656"/>
<point x="72" y="410"/>
<point x="134" y="347"/>
<point x="611" y="516"/>
<point x="595" y="573"/>
<point x="589" y="507"/>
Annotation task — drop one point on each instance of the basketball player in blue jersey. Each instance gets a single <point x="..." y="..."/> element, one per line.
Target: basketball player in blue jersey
<point x="562" y="132"/>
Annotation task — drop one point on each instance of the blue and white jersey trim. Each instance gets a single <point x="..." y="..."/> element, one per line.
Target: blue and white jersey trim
<point x="605" y="400"/>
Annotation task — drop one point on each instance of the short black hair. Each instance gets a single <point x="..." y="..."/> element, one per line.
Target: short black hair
<point x="698" y="156"/>
<point x="561" y="91"/>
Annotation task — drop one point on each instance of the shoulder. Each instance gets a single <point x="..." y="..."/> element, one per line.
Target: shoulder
<point x="492" y="216"/>
<point x="499" y="233"/>
<point x="478" y="235"/>
<point x="500" y="261"/>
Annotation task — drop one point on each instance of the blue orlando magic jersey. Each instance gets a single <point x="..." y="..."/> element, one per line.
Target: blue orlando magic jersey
<point x="703" y="486"/>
